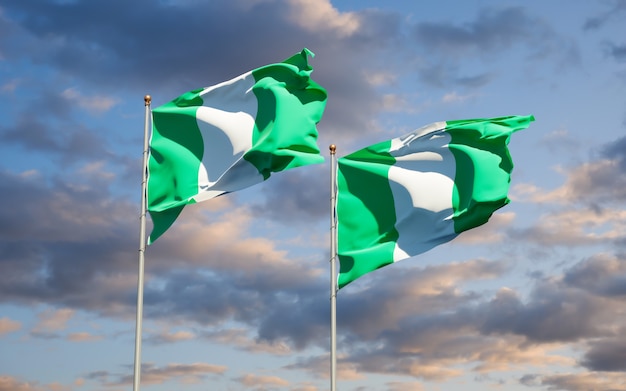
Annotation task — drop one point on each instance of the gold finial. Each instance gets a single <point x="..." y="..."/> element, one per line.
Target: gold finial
<point x="147" y="99"/>
<point x="332" y="148"/>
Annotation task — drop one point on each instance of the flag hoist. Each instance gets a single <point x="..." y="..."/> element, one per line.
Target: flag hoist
<point x="142" y="245"/>
<point x="333" y="268"/>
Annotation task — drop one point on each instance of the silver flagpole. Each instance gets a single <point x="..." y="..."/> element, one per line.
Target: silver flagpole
<point x="142" y="246"/>
<point x="333" y="270"/>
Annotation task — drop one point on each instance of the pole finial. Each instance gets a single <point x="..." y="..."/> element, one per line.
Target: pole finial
<point x="332" y="148"/>
<point x="147" y="99"/>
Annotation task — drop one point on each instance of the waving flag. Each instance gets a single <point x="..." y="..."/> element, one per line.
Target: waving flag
<point x="402" y="197"/>
<point x="232" y="135"/>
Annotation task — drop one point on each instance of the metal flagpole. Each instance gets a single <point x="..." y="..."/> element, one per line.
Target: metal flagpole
<point x="333" y="270"/>
<point x="142" y="246"/>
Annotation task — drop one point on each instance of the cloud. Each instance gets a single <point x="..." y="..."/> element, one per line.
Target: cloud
<point x="98" y="47"/>
<point x="83" y="337"/>
<point x="559" y="140"/>
<point x="56" y="243"/>
<point x="8" y="325"/>
<point x="318" y="366"/>
<point x="96" y="104"/>
<point x="598" y="21"/>
<point x="314" y="16"/>
<point x="66" y="139"/>
<point x="491" y="30"/>
<point x="602" y="275"/>
<point x="607" y="355"/>
<point x="554" y="314"/>
<point x="76" y="41"/>
<point x="381" y="78"/>
<point x="296" y="197"/>
<point x="405" y="386"/>
<point x="152" y="374"/>
<point x="170" y="337"/>
<point x="241" y="340"/>
<point x="396" y="103"/>
<point x="53" y="320"/>
<point x="254" y="381"/>
<point x="598" y="180"/>
<point x="9" y="86"/>
<point x="576" y="227"/>
<point x="447" y="45"/>
<point x="491" y="232"/>
<point x="587" y="204"/>
<point x="596" y="183"/>
<point x="617" y="52"/>
<point x="616" y="151"/>
<point x="584" y="381"/>
<point x="430" y="329"/>
<point x="9" y="383"/>
<point x="454" y="97"/>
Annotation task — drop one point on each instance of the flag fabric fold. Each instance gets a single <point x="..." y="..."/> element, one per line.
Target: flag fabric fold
<point x="402" y="197"/>
<point x="227" y="137"/>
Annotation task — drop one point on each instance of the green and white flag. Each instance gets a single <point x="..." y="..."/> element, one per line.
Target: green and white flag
<point x="404" y="196"/>
<point x="232" y="135"/>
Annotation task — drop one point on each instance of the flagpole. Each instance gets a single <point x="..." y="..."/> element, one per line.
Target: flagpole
<point x="333" y="270"/>
<point x="142" y="246"/>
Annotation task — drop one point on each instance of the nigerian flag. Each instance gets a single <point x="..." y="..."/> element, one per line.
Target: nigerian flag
<point x="232" y="135"/>
<point x="404" y="196"/>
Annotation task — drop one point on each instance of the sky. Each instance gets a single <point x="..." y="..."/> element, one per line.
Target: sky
<point x="237" y="291"/>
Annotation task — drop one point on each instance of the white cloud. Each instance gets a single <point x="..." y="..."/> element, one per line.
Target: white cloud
<point x="8" y="326"/>
<point x="95" y="104"/>
<point x="251" y="380"/>
<point x="381" y="78"/>
<point x="53" y="320"/>
<point x="319" y="15"/>
<point x="490" y="232"/>
<point x="580" y="226"/>
<point x="453" y="97"/>
<point x="83" y="337"/>
<point x="10" y="86"/>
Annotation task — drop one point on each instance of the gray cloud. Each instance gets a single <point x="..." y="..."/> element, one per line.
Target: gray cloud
<point x="601" y="275"/>
<point x="552" y="314"/>
<point x="598" y="21"/>
<point x="153" y="374"/>
<point x="144" y="52"/>
<point x="55" y="245"/>
<point x="616" y="151"/>
<point x="606" y="355"/>
<point x="616" y="51"/>
<point x="300" y="196"/>
<point x="492" y="30"/>
<point x="67" y="141"/>
<point x="583" y="382"/>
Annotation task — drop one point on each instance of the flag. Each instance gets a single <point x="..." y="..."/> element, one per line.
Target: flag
<point x="404" y="196"/>
<point x="216" y="140"/>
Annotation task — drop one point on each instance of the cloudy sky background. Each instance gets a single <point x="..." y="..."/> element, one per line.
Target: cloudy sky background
<point x="236" y="293"/>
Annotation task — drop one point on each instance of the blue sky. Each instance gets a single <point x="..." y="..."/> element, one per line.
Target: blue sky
<point x="236" y="293"/>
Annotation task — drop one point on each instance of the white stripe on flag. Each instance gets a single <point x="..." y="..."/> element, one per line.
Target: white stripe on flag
<point x="422" y="182"/>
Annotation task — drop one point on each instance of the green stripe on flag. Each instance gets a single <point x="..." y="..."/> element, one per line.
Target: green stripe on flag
<point x="167" y="140"/>
<point x="290" y="105"/>
<point x="370" y="222"/>
<point x="484" y="167"/>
